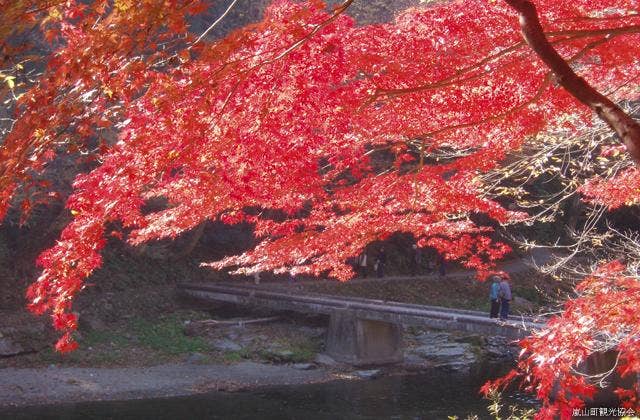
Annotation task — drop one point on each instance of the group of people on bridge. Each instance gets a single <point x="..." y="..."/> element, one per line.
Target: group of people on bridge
<point x="500" y="296"/>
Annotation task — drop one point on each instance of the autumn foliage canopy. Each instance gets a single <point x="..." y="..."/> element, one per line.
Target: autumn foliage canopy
<point x="350" y="133"/>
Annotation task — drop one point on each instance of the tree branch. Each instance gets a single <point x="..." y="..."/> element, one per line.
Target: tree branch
<point x="625" y="127"/>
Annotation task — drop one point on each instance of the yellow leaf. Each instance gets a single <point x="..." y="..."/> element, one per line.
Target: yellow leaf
<point x="54" y="13"/>
<point x="122" y="5"/>
<point x="10" y="81"/>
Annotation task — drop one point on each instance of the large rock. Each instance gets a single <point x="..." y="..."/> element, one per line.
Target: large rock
<point x="441" y="352"/>
<point x="432" y="337"/>
<point x="303" y="366"/>
<point x="368" y="374"/>
<point x="196" y="358"/>
<point x="225" y="345"/>
<point x="278" y="355"/>
<point x="501" y="348"/>
<point x="9" y="348"/>
<point x="324" y="359"/>
<point x="414" y="362"/>
<point x="21" y="332"/>
<point x="452" y="355"/>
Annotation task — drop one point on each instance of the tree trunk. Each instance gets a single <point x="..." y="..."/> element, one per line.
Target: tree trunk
<point x="624" y="125"/>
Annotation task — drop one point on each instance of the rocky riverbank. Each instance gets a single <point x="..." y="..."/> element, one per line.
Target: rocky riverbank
<point x="230" y="356"/>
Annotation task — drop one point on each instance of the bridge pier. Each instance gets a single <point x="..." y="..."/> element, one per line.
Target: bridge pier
<point x="362" y="341"/>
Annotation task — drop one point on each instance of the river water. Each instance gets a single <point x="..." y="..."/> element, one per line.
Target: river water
<point x="433" y="395"/>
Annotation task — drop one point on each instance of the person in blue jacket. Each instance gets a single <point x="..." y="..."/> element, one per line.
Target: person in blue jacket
<point x="494" y="296"/>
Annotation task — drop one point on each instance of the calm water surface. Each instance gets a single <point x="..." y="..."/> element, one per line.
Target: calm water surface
<point x="436" y="395"/>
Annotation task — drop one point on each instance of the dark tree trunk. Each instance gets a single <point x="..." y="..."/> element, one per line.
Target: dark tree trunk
<point x="624" y="125"/>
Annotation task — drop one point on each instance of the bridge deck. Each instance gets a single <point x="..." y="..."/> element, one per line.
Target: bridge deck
<point x="393" y="312"/>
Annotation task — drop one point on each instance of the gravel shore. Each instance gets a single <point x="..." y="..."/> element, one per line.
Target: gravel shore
<point x="30" y="387"/>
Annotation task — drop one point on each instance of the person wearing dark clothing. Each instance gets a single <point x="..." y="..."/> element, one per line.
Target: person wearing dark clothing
<point x="505" y="298"/>
<point x="381" y="260"/>
<point x="494" y="296"/>
<point x="362" y="265"/>
<point x="416" y="260"/>
<point x="442" y="268"/>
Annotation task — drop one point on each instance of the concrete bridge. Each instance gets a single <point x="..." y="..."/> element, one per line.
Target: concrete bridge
<point x="364" y="331"/>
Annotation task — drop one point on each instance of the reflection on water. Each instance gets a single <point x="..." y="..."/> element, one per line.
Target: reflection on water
<point x="435" y="395"/>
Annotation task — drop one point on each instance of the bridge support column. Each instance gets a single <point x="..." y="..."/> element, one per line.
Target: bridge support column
<point x="363" y="342"/>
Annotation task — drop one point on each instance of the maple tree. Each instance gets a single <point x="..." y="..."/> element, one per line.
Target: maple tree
<point x="350" y="132"/>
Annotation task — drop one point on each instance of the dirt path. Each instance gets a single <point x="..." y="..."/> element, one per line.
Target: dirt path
<point x="28" y="387"/>
<point x="538" y="257"/>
